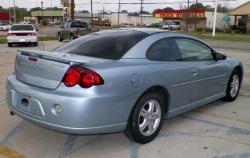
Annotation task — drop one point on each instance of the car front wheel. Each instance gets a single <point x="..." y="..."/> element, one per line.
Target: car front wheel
<point x="233" y="86"/>
<point x="146" y="119"/>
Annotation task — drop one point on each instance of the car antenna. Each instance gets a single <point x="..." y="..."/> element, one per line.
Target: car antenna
<point x="41" y="28"/>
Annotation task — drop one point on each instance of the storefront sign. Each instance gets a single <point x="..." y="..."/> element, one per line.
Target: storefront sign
<point x="179" y="14"/>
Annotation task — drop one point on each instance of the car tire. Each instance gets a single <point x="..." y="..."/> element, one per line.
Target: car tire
<point x="60" y="39"/>
<point x="146" y="120"/>
<point x="9" y="44"/>
<point x="71" y="37"/>
<point x="233" y="86"/>
<point x="35" y="44"/>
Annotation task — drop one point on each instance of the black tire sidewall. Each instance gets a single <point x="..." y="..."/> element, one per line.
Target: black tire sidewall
<point x="60" y="37"/>
<point x="133" y="122"/>
<point x="228" y="95"/>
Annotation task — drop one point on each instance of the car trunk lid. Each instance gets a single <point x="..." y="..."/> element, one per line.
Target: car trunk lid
<point x="47" y="69"/>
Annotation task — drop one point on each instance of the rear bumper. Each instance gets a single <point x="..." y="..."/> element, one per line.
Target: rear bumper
<point x="22" y="39"/>
<point x="79" y="115"/>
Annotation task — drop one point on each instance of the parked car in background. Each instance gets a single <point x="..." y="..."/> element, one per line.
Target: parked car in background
<point x="117" y="80"/>
<point x="171" y="25"/>
<point x="4" y="25"/>
<point x="126" y="25"/>
<point x="72" y="30"/>
<point x="22" y="33"/>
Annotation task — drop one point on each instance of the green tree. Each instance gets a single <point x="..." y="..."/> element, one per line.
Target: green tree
<point x="168" y="8"/>
<point x="196" y="6"/>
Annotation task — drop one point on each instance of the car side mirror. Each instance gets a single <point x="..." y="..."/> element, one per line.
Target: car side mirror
<point x="219" y="56"/>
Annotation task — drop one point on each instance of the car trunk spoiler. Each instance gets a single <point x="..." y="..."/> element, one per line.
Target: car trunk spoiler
<point x="57" y="57"/>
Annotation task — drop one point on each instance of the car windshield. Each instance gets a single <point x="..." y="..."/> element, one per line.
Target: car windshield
<point x="106" y="45"/>
<point x="22" y="27"/>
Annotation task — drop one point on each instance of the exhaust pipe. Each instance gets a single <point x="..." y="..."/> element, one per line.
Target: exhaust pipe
<point x="12" y="113"/>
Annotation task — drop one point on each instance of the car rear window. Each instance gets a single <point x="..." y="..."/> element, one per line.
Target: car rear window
<point x="106" y="45"/>
<point x="78" y="24"/>
<point x="22" y="27"/>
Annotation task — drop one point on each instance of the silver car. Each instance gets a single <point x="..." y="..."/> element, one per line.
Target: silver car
<point x="120" y="80"/>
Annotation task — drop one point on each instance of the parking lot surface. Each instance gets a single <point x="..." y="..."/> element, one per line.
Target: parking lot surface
<point x="217" y="130"/>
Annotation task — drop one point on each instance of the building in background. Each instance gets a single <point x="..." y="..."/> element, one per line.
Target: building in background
<point x="126" y="19"/>
<point x="188" y="19"/>
<point x="241" y="17"/>
<point x="223" y="21"/>
<point x="48" y="16"/>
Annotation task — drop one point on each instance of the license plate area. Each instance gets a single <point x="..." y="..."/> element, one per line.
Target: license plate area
<point x="22" y="40"/>
<point x="24" y="103"/>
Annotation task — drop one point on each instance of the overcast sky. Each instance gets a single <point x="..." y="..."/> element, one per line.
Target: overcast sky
<point x="81" y="4"/>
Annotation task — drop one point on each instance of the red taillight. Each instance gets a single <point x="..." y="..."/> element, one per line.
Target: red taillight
<point x="11" y="34"/>
<point x="81" y="76"/>
<point x="31" y="34"/>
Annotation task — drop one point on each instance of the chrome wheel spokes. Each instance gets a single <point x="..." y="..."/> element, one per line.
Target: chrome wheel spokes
<point x="235" y="84"/>
<point x="149" y="117"/>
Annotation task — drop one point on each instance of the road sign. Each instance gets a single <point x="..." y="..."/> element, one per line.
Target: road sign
<point x="226" y="18"/>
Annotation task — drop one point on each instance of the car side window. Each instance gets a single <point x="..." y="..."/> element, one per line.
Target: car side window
<point x="164" y="50"/>
<point x="193" y="50"/>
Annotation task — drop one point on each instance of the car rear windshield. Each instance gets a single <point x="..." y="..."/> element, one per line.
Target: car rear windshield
<point x="22" y="27"/>
<point x="106" y="45"/>
<point x="78" y="24"/>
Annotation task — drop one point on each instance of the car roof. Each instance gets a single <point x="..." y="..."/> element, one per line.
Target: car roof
<point x="148" y="31"/>
<point x="145" y="30"/>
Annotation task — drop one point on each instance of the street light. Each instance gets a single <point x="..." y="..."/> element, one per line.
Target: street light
<point x="215" y="14"/>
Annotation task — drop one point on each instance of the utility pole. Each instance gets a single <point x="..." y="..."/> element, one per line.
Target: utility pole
<point x="51" y="10"/>
<point x="72" y="9"/>
<point x="141" y="13"/>
<point x="9" y="13"/>
<point x="195" y="21"/>
<point x="42" y="10"/>
<point x="188" y="16"/>
<point x="14" y="3"/>
<point x="91" y="6"/>
<point x="103" y="12"/>
<point x="215" y="14"/>
<point x="118" y="13"/>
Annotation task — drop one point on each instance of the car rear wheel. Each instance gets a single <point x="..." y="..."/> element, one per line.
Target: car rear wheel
<point x="9" y="44"/>
<point x="71" y="37"/>
<point x="60" y="37"/>
<point x="233" y="86"/>
<point x="146" y="118"/>
<point x="35" y="44"/>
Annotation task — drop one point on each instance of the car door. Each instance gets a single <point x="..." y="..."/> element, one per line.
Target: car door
<point x="207" y="75"/>
<point x="171" y="71"/>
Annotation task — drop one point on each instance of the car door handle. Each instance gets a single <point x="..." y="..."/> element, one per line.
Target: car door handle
<point x="195" y="72"/>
